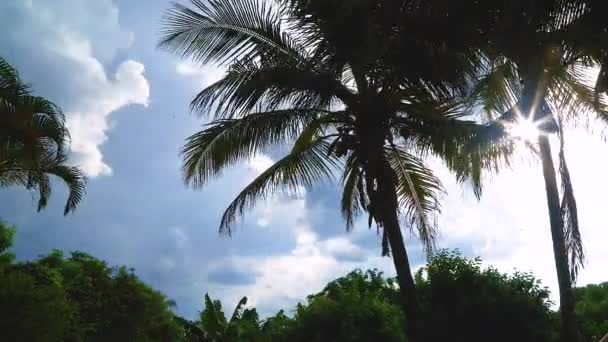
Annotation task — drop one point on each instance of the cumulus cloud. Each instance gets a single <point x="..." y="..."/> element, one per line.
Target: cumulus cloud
<point x="279" y="281"/>
<point x="74" y="38"/>
<point x="88" y="117"/>
<point x="201" y="75"/>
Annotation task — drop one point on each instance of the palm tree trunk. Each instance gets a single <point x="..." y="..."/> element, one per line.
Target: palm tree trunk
<point x="390" y="221"/>
<point x="569" y="331"/>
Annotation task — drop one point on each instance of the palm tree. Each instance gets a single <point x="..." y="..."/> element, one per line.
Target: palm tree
<point x="33" y="139"/>
<point x="537" y="60"/>
<point x="315" y="74"/>
<point x="242" y="325"/>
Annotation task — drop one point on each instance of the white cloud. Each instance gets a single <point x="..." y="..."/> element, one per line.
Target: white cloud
<point x="88" y="117"/>
<point x="201" y="75"/>
<point x="260" y="163"/>
<point x="75" y="38"/>
<point x="284" y="279"/>
<point x="87" y="21"/>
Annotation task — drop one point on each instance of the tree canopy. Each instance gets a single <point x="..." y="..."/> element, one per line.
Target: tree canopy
<point x="77" y="298"/>
<point x="81" y="298"/>
<point x="592" y="310"/>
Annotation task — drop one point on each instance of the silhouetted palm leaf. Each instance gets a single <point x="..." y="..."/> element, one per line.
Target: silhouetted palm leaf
<point x="229" y="141"/>
<point x="299" y="170"/>
<point x="224" y="30"/>
<point x="33" y="140"/>
<point x="418" y="191"/>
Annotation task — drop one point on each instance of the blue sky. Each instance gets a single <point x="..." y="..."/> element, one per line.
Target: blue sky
<point x="127" y="108"/>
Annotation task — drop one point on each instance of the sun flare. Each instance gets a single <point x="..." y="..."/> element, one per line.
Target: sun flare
<point x="525" y="129"/>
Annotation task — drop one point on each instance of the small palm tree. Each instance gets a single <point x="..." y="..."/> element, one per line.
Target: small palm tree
<point x="243" y="324"/>
<point x="310" y="74"/>
<point x="33" y="138"/>
<point x="535" y="78"/>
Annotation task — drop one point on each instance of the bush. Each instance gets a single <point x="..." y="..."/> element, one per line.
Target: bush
<point x="592" y="310"/>
<point x="463" y="302"/>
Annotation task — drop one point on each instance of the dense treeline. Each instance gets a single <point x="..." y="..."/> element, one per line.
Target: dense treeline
<point x="81" y="298"/>
<point x="467" y="302"/>
<point x="77" y="298"/>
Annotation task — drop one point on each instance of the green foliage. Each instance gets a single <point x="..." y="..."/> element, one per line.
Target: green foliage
<point x="79" y="298"/>
<point x="34" y="141"/>
<point x="461" y="301"/>
<point x="357" y="307"/>
<point x="274" y="328"/>
<point x="33" y="307"/>
<point x="244" y="324"/>
<point x="470" y="303"/>
<point x="6" y="242"/>
<point x="592" y="310"/>
<point x="189" y="331"/>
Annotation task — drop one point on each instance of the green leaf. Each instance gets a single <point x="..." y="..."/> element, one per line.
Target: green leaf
<point x="294" y="172"/>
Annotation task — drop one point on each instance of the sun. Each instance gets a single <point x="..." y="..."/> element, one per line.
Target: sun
<point x="525" y="129"/>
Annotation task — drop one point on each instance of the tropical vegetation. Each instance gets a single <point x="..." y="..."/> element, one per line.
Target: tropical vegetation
<point x="34" y="142"/>
<point x="359" y="93"/>
<point x="370" y="87"/>
<point x="295" y="76"/>
<point x="77" y="298"/>
<point x="81" y="298"/>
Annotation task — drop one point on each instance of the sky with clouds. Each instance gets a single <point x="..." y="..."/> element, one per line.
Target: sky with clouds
<point x="127" y="109"/>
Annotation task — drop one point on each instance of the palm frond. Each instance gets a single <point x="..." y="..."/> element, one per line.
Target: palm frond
<point x="568" y="13"/>
<point x="33" y="120"/>
<point x="572" y="95"/>
<point x="572" y="234"/>
<point x="44" y="191"/>
<point x="498" y="90"/>
<point x="226" y="142"/>
<point x="466" y="147"/>
<point x="418" y="190"/>
<point x="353" y="200"/>
<point x="34" y="175"/>
<point x="33" y="138"/>
<point x="76" y="182"/>
<point x="442" y="136"/>
<point x="238" y="311"/>
<point x="311" y="131"/>
<point x="583" y="34"/>
<point x="8" y="72"/>
<point x="601" y="83"/>
<point x="300" y="169"/>
<point x="251" y="84"/>
<point x="221" y="31"/>
<point x="213" y="318"/>
<point x="11" y="85"/>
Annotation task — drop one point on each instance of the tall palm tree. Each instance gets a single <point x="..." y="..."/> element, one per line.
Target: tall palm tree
<point x="315" y="74"/>
<point x="536" y="75"/>
<point x="33" y="139"/>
